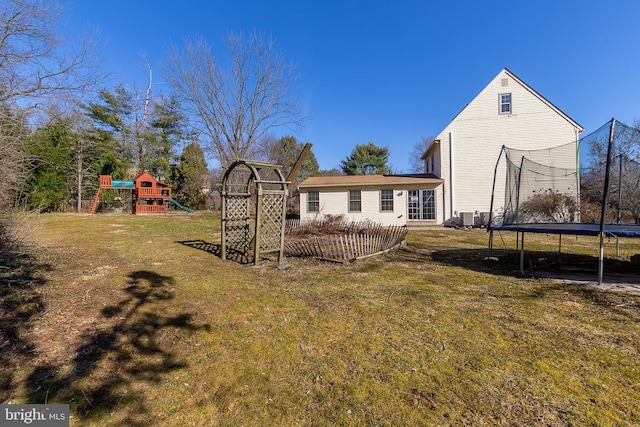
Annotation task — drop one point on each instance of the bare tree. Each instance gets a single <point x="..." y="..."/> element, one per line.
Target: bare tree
<point x="235" y="105"/>
<point x="141" y="118"/>
<point x="624" y="183"/>
<point x="416" y="164"/>
<point x="37" y="66"/>
<point x="35" y="62"/>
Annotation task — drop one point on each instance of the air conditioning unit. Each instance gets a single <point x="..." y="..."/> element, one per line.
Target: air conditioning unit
<point x="466" y="219"/>
<point x="484" y="219"/>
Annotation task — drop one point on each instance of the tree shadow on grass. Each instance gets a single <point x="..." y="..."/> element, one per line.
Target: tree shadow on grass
<point x="20" y="303"/>
<point x="133" y="347"/>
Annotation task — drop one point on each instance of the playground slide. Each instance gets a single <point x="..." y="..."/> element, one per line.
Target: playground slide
<point x="175" y="202"/>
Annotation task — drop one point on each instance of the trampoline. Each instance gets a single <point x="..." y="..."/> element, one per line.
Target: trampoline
<point x="576" y="228"/>
<point x="544" y="193"/>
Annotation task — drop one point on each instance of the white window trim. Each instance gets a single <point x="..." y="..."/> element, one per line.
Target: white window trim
<point x="349" y="201"/>
<point x="393" y="204"/>
<point x="500" y="103"/>
<point x="309" y="201"/>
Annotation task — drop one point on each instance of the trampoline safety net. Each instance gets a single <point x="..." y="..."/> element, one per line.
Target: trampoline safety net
<point x="574" y="182"/>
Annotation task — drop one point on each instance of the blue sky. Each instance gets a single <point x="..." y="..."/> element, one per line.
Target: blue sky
<point x="392" y="72"/>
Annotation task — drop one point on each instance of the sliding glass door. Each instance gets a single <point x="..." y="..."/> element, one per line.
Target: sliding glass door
<point x="422" y="204"/>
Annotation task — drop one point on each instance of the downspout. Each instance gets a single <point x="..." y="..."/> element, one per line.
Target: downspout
<point x="579" y="219"/>
<point x="451" y="201"/>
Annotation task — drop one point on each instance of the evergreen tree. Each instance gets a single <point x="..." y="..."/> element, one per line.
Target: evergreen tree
<point x="111" y="116"/>
<point x="49" y="182"/>
<point x="366" y="159"/>
<point x="169" y="129"/>
<point x="286" y="151"/>
<point x="138" y="135"/>
<point x="190" y="176"/>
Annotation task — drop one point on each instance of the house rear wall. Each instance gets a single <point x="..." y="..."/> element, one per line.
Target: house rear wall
<point x="336" y="202"/>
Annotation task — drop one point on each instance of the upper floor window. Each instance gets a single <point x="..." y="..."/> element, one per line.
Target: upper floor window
<point x="313" y="201"/>
<point x="505" y="103"/>
<point x="355" y="201"/>
<point x="386" y="200"/>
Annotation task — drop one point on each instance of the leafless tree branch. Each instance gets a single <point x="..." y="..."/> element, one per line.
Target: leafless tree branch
<point x="35" y="62"/>
<point x="237" y="104"/>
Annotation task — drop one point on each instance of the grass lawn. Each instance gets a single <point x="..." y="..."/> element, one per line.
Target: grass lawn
<point x="134" y="320"/>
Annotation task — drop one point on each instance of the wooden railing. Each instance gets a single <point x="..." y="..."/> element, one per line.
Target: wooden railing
<point x="144" y="192"/>
<point x="105" y="181"/>
<point x="151" y="209"/>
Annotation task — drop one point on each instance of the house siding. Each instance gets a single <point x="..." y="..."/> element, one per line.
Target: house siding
<point x="336" y="202"/>
<point x="474" y="139"/>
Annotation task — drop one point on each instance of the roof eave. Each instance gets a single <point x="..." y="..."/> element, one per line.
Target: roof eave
<point x="430" y="148"/>
<point x="545" y="100"/>
<point x="377" y="184"/>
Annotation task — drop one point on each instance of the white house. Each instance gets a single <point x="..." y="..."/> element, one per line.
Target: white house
<point x="385" y="199"/>
<point x="507" y="112"/>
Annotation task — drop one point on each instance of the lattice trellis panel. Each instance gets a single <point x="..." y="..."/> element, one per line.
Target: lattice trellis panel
<point x="237" y="225"/>
<point x="248" y="181"/>
<point x="271" y="222"/>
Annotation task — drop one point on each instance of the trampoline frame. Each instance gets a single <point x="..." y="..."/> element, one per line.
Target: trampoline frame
<point x="575" y="228"/>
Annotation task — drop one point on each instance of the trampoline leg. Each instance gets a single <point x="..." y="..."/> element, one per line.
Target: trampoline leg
<point x="601" y="259"/>
<point x="522" y="255"/>
<point x="560" y="244"/>
<point x="491" y="243"/>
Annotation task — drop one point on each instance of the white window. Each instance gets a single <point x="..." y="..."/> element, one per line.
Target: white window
<point x="355" y="201"/>
<point x="422" y="204"/>
<point x="505" y="103"/>
<point x="386" y="200"/>
<point x="313" y="201"/>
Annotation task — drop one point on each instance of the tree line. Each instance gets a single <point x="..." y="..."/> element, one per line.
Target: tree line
<point x="60" y="127"/>
<point x="62" y="124"/>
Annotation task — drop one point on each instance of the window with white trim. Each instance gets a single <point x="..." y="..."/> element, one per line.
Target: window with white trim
<point x="355" y="201"/>
<point x="505" y="103"/>
<point x="386" y="200"/>
<point x="313" y="201"/>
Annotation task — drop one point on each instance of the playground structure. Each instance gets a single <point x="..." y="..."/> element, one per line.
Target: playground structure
<point x="149" y="196"/>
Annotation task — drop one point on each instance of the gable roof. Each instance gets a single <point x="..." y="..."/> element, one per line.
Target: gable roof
<point x="146" y="175"/>
<point x="531" y="90"/>
<point x="343" y="181"/>
<point x="543" y="99"/>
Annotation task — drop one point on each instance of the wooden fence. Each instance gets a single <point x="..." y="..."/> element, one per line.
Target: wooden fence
<point x="345" y="242"/>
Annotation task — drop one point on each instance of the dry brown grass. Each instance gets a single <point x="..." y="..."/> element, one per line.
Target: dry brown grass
<point x="135" y="321"/>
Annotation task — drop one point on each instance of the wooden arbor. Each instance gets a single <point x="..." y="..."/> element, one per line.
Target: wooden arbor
<point x="259" y="230"/>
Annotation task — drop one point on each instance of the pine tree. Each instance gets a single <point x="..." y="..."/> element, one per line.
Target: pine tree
<point x="366" y="159"/>
<point x="189" y="177"/>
